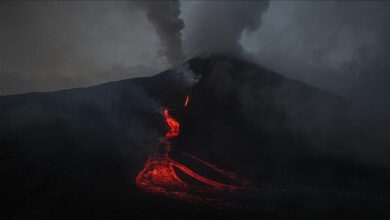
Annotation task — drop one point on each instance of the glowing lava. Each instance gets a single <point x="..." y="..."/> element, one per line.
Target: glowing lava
<point x="174" y="126"/>
<point x="160" y="174"/>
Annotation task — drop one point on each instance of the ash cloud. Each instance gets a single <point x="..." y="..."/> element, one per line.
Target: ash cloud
<point x="340" y="46"/>
<point x="168" y="25"/>
<point x="217" y="26"/>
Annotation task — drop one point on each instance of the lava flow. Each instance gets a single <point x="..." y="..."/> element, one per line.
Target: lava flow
<point x="173" y="125"/>
<point x="160" y="174"/>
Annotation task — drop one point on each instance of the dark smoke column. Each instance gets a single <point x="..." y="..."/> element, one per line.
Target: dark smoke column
<point x="165" y="17"/>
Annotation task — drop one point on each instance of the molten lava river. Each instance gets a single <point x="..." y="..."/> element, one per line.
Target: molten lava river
<point x="160" y="175"/>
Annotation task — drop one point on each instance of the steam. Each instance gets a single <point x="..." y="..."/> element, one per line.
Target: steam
<point x="165" y="17"/>
<point x="186" y="74"/>
<point x="216" y="27"/>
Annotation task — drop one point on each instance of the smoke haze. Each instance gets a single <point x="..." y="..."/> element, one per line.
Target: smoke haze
<point x="340" y="46"/>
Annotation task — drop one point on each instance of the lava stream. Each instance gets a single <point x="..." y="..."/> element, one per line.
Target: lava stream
<point x="174" y="126"/>
<point x="159" y="175"/>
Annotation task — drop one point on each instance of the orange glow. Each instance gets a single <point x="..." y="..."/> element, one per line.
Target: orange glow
<point x="174" y="126"/>
<point x="159" y="175"/>
<point x="186" y="101"/>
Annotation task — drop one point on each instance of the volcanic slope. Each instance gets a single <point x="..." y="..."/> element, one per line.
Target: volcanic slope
<point x="76" y="153"/>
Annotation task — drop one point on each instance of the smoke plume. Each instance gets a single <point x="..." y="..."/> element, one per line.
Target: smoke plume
<point x="216" y="26"/>
<point x="165" y="17"/>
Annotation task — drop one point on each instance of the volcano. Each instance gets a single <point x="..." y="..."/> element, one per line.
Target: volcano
<point x="217" y="137"/>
